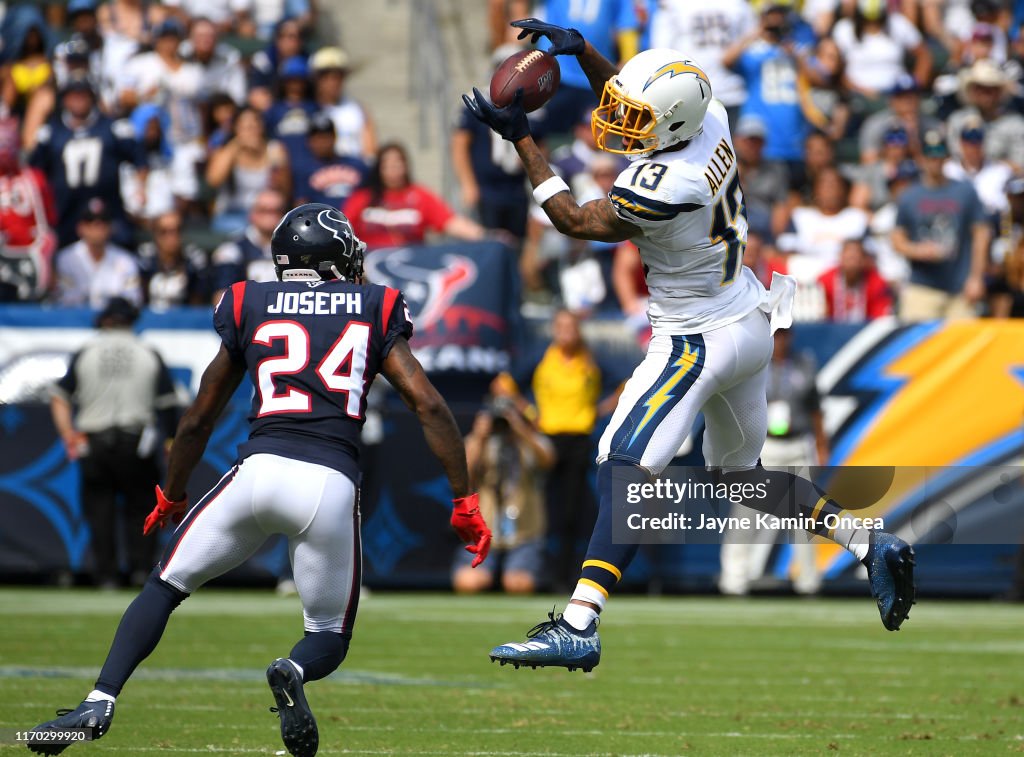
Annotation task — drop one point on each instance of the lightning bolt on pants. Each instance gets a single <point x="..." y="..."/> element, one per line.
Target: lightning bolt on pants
<point x="721" y="372"/>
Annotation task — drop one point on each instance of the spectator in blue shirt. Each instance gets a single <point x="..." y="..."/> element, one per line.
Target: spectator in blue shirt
<point x="769" y="61"/>
<point x="941" y="230"/>
<point x="247" y="256"/>
<point x="611" y="26"/>
<point x="80" y="151"/>
<point x="287" y="119"/>
<point x="574" y="158"/>
<point x="319" y="173"/>
<point x="265" y="65"/>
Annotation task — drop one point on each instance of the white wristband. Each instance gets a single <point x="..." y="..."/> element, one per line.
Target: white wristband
<point x="549" y="188"/>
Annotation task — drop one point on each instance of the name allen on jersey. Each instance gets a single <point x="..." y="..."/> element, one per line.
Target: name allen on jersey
<point x="721" y="160"/>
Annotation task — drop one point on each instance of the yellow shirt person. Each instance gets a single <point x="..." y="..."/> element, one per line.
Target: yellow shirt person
<point x="566" y="388"/>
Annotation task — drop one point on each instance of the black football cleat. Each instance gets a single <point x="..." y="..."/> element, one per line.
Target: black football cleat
<point x="298" y="726"/>
<point x="94" y="716"/>
<point x="890" y="564"/>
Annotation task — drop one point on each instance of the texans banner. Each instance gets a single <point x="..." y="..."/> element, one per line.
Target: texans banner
<point x="463" y="299"/>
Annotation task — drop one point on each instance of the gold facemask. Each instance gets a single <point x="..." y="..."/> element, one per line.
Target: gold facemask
<point x="620" y="116"/>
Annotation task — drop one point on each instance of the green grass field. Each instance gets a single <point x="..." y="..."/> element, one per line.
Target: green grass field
<point x="679" y="676"/>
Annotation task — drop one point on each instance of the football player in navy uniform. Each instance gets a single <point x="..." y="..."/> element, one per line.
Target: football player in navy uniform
<point x="312" y="343"/>
<point x="81" y="151"/>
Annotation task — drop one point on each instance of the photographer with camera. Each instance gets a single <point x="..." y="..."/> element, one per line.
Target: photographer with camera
<point x="507" y="460"/>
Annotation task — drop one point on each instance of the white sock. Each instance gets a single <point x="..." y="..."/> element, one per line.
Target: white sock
<point x="579" y="616"/>
<point x="298" y="667"/>
<point x="856" y="540"/>
<point x="98" y="696"/>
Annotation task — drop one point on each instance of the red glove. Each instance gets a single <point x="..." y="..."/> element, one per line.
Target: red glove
<point x="165" y="510"/>
<point x="470" y="526"/>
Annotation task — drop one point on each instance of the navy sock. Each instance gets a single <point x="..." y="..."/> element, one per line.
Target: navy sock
<point x="606" y="561"/>
<point x="319" y="654"/>
<point x="139" y="632"/>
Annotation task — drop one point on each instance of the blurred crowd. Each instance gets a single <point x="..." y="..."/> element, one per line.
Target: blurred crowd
<point x="880" y="148"/>
<point x="148" y="148"/>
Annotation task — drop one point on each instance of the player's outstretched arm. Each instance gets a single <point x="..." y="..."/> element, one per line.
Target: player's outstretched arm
<point x="405" y="373"/>
<point x="594" y="220"/>
<point x="220" y="379"/>
<point x="570" y="42"/>
<point x="597" y="68"/>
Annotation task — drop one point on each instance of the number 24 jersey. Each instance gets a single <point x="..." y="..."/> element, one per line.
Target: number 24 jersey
<point x="312" y="351"/>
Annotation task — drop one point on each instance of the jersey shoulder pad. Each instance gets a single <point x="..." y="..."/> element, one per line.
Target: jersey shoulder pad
<point x="123" y="129"/>
<point x="43" y="134"/>
<point x="650" y="190"/>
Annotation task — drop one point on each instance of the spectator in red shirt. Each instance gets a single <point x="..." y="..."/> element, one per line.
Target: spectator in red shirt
<point x="27" y="214"/>
<point x="392" y="211"/>
<point x="854" y="291"/>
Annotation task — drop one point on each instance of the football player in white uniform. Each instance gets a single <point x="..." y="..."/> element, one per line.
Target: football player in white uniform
<point x="680" y="202"/>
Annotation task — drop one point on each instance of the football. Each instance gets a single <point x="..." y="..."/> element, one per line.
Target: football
<point x="533" y="70"/>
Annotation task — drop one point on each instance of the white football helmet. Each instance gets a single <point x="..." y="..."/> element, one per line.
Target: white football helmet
<point x="658" y="99"/>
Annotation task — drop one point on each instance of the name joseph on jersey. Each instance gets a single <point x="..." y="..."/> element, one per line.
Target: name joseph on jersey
<point x="316" y="303"/>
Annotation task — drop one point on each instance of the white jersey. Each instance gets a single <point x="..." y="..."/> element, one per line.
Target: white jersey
<point x="690" y="207"/>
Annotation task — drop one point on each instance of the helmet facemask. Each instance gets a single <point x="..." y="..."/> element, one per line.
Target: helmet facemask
<point x="348" y="268"/>
<point x="658" y="99"/>
<point x="630" y="120"/>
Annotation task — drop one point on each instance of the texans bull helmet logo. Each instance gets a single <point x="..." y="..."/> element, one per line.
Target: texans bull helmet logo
<point x="314" y="242"/>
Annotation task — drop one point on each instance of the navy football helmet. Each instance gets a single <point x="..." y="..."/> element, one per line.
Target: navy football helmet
<point x="315" y="242"/>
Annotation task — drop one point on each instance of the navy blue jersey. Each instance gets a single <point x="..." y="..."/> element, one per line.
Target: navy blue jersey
<point x="496" y="165"/>
<point x="327" y="181"/>
<point x="84" y="163"/>
<point x="240" y="259"/>
<point x="289" y="123"/>
<point x="312" y="351"/>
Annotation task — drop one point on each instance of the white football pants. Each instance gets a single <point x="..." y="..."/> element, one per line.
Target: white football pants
<point x="722" y="372"/>
<point x="314" y="506"/>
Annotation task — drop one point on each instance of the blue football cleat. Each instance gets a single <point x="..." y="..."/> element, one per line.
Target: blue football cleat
<point x="890" y="564"/>
<point x="553" y="643"/>
<point x="94" y="716"/>
<point x="298" y="726"/>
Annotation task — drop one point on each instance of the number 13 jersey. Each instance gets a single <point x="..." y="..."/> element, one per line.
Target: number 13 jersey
<point x="312" y="351"/>
<point x="689" y="205"/>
